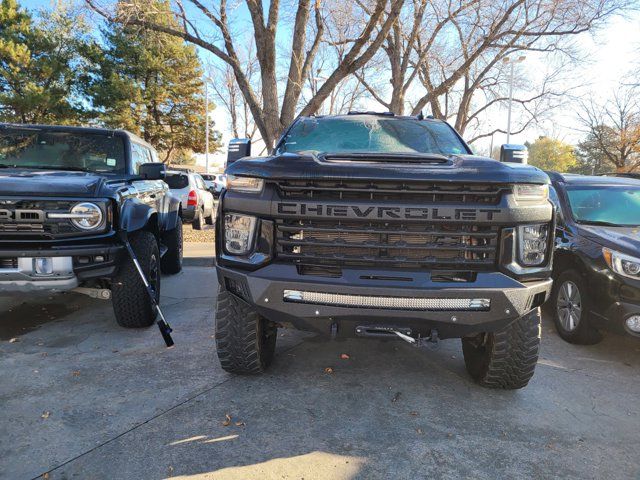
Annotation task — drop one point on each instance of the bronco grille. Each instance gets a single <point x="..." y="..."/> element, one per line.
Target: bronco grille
<point x="392" y="245"/>
<point x="390" y="191"/>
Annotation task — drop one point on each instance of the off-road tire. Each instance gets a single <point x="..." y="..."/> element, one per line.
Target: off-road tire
<point x="245" y="341"/>
<point x="198" y="220"/>
<point x="584" y="333"/>
<point x="172" y="261"/>
<point x="131" y="303"/>
<point x="507" y="358"/>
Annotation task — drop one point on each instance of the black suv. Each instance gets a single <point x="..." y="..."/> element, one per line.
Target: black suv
<point x="375" y="225"/>
<point x="597" y="260"/>
<point x="69" y="198"/>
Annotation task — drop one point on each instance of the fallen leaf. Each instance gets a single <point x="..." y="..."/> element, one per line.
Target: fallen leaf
<point x="227" y="422"/>
<point x="45" y="414"/>
<point x="450" y="435"/>
<point x="45" y="476"/>
<point x="170" y="469"/>
<point x="345" y="356"/>
<point x="419" y="431"/>
<point x="240" y="424"/>
<point x="413" y="414"/>
<point x="76" y="373"/>
<point x="396" y="397"/>
<point x="328" y="370"/>
<point x="14" y="340"/>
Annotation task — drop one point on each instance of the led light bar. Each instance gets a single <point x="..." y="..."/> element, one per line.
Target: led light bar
<point x="392" y="303"/>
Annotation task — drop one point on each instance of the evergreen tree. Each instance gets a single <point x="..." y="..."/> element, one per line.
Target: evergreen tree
<point x="40" y="66"/>
<point x="151" y="83"/>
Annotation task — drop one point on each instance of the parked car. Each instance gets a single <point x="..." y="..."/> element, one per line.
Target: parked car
<point x="384" y="226"/>
<point x="597" y="260"/>
<point x="197" y="204"/>
<point x="68" y="198"/>
<point x="215" y="183"/>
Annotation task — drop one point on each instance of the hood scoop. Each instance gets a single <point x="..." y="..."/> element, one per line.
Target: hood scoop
<point x="394" y="158"/>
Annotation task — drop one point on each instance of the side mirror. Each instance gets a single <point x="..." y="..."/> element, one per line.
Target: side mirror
<point x="238" y="148"/>
<point x="514" y="153"/>
<point x="153" y="171"/>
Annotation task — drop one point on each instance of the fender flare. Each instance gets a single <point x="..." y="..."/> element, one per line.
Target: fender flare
<point x="135" y="215"/>
<point x="170" y="220"/>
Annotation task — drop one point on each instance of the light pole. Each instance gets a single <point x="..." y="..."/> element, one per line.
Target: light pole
<point x="522" y="58"/>
<point x="206" y="128"/>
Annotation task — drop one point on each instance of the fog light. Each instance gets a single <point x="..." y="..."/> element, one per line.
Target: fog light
<point x="633" y="323"/>
<point x="43" y="265"/>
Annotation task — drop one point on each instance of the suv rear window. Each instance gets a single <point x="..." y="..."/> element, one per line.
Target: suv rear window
<point x="177" y="181"/>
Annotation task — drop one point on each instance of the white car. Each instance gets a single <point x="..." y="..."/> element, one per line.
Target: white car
<point x="198" y="205"/>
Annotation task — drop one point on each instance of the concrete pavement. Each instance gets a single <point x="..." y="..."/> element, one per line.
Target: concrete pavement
<point x="83" y="398"/>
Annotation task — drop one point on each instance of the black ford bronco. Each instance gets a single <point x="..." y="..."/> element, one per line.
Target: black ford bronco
<point x="69" y="199"/>
<point x="374" y="225"/>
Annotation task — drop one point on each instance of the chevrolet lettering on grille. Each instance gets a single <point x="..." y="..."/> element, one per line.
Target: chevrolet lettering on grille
<point x="387" y="213"/>
<point x="21" y="215"/>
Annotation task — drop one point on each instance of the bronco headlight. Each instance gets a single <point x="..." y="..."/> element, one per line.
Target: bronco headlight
<point x="529" y="192"/>
<point x="244" y="184"/>
<point x="533" y="242"/>
<point x="625" y="265"/>
<point x="238" y="233"/>
<point x="85" y="216"/>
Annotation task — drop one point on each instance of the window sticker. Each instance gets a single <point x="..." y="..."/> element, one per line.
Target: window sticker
<point x="111" y="162"/>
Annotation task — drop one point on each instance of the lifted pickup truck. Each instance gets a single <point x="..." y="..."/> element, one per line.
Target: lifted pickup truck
<point x="374" y="225"/>
<point x="69" y="198"/>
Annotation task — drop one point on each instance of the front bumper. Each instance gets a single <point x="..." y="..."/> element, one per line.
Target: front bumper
<point x="265" y="289"/>
<point x="68" y="267"/>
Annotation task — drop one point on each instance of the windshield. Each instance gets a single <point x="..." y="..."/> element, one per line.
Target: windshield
<point x="614" y="205"/>
<point x="61" y="150"/>
<point x="371" y="134"/>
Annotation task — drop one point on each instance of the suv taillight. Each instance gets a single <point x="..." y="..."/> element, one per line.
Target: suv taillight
<point x="193" y="199"/>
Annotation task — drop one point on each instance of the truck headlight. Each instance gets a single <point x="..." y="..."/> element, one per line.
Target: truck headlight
<point x="238" y="233"/>
<point x="529" y="192"/>
<point x="533" y="242"/>
<point x="623" y="264"/>
<point x="244" y="184"/>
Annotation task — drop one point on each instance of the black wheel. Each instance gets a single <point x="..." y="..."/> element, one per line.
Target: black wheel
<point x="198" y="221"/>
<point x="245" y="341"/>
<point x="131" y="303"/>
<point x="506" y="358"/>
<point x="172" y="260"/>
<point x="570" y="304"/>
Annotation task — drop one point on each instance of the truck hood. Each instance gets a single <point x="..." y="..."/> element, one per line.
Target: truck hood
<point x="622" y="239"/>
<point x="47" y="183"/>
<point x="460" y="168"/>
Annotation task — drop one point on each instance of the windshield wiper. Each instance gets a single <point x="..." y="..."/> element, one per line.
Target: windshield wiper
<point x="602" y="223"/>
<point x="51" y="167"/>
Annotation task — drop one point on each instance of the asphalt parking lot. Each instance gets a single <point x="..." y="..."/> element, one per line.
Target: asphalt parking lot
<point x="83" y="398"/>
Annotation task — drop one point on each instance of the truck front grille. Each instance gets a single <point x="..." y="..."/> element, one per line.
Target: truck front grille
<point x="393" y="245"/>
<point x="392" y="191"/>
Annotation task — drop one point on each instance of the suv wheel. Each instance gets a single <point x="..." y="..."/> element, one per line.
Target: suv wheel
<point x="570" y="303"/>
<point x="506" y="358"/>
<point x="172" y="260"/>
<point x="131" y="303"/>
<point x="211" y="218"/>
<point x="198" y="221"/>
<point x="245" y="341"/>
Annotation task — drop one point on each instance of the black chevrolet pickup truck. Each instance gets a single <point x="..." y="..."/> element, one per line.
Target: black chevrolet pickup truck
<point x="69" y="199"/>
<point x="374" y="225"/>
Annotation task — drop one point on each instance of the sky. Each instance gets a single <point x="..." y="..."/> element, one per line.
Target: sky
<point x="610" y="54"/>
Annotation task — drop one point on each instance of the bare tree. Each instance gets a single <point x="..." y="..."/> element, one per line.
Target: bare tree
<point x="613" y="131"/>
<point x="270" y="115"/>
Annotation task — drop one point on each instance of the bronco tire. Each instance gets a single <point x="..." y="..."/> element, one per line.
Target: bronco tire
<point x="245" y="341"/>
<point x="131" y="303"/>
<point x="172" y="261"/>
<point x="570" y="304"/>
<point x="506" y="358"/>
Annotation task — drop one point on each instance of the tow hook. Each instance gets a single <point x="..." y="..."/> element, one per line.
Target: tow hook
<point x="432" y="342"/>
